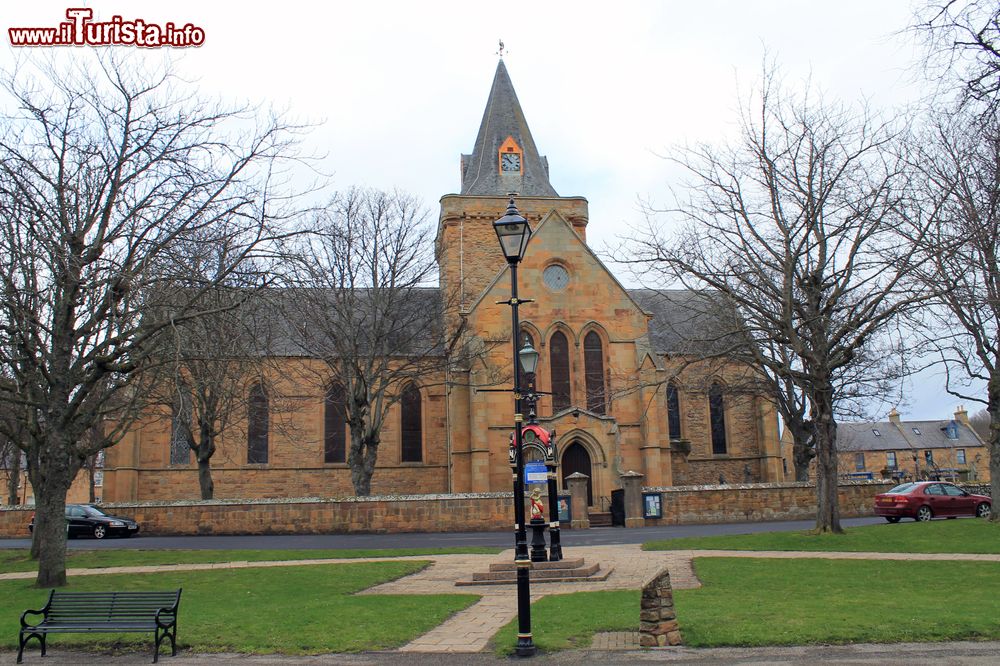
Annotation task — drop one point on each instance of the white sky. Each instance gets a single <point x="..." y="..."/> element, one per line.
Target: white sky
<point x="400" y="87"/>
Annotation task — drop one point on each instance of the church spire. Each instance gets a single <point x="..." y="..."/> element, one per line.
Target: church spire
<point x="505" y="158"/>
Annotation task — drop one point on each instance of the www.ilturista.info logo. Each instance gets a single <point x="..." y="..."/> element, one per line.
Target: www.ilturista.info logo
<point x="82" y="30"/>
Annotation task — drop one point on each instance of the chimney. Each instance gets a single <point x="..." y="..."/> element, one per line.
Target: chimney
<point x="961" y="415"/>
<point x="894" y="416"/>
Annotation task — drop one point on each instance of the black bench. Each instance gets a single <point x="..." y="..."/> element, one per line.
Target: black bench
<point x="105" y="612"/>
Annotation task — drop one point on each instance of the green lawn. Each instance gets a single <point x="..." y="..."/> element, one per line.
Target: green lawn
<point x="571" y="620"/>
<point x="792" y="602"/>
<point x="291" y="610"/>
<point x="966" y="535"/>
<point x="752" y="602"/>
<point x="17" y="559"/>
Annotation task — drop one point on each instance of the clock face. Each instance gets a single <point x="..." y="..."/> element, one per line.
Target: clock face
<point x="510" y="161"/>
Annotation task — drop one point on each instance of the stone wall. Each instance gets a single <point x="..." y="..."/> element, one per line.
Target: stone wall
<point x="474" y="512"/>
<point x="658" y="625"/>
<point x="759" y="501"/>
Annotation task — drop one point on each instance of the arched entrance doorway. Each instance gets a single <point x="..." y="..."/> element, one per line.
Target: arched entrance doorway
<point x="576" y="459"/>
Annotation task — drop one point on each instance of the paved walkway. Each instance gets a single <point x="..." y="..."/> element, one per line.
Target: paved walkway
<point x="470" y="630"/>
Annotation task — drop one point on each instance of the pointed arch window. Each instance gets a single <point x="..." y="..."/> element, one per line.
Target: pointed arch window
<point x="180" y="428"/>
<point x="411" y="425"/>
<point x="593" y="370"/>
<point x="673" y="411"/>
<point x="257" y="425"/>
<point x="334" y="425"/>
<point x="559" y="371"/>
<point x="717" y="416"/>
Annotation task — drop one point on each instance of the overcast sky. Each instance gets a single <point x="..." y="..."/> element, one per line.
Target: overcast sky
<point x="399" y="87"/>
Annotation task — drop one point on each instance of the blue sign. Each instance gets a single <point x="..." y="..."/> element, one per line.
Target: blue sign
<point x="536" y="472"/>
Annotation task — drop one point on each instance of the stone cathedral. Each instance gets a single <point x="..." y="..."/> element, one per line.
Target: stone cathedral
<point x="618" y="390"/>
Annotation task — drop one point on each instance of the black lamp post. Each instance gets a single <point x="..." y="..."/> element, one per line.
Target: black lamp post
<point x="513" y="233"/>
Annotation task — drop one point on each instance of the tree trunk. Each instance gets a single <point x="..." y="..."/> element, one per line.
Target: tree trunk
<point x="15" y="476"/>
<point x="802" y="451"/>
<point x="91" y="468"/>
<point x="827" y="509"/>
<point x="50" y="533"/>
<point x="364" y="453"/>
<point x="993" y="407"/>
<point x="203" y="454"/>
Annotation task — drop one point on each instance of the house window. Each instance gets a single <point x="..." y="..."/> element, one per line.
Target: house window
<point x="876" y="432"/>
<point x="673" y="412"/>
<point x="411" y="426"/>
<point x="334" y="425"/>
<point x="717" y="417"/>
<point x="951" y="430"/>
<point x="180" y="428"/>
<point x="929" y="457"/>
<point x="916" y="431"/>
<point x="890" y="460"/>
<point x="559" y="369"/>
<point x="526" y="339"/>
<point x="593" y="364"/>
<point x="257" y="425"/>
<point x="960" y="456"/>
<point x="859" y="462"/>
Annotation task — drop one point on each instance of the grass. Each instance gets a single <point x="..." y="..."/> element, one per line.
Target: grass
<point x="290" y="610"/>
<point x="939" y="536"/>
<point x="568" y="621"/>
<point x="17" y="559"/>
<point x="792" y="602"/>
<point x="758" y="601"/>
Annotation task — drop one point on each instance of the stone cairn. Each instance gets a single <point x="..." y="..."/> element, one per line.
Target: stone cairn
<point x="657" y="618"/>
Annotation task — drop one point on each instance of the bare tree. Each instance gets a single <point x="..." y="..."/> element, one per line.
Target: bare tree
<point x="963" y="40"/>
<point x="805" y="226"/>
<point x="961" y="162"/>
<point x="368" y="313"/>
<point x="980" y="422"/>
<point x="105" y="169"/>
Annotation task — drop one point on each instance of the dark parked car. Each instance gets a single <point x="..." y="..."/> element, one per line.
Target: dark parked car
<point x="86" y="520"/>
<point x="930" y="499"/>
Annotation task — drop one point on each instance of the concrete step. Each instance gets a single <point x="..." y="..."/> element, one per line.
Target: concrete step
<point x="537" y="566"/>
<point x="539" y="574"/>
<point x="533" y="576"/>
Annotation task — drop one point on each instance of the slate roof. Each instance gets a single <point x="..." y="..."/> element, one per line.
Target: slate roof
<point x="860" y="436"/>
<point x="684" y="321"/>
<point x="504" y="118"/>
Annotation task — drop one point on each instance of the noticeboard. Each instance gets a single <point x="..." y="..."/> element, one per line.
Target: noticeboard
<point x="536" y="472"/>
<point x="652" y="505"/>
<point x="565" y="504"/>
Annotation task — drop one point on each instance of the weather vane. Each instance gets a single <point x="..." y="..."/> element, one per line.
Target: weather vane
<point x="500" y="52"/>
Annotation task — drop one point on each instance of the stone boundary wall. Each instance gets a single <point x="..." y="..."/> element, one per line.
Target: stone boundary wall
<point x="472" y="512"/>
<point x="736" y="503"/>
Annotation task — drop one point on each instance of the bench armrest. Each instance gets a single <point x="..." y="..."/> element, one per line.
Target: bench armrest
<point x="40" y="611"/>
<point x="171" y="612"/>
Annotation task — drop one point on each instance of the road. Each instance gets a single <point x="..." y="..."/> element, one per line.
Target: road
<point x="597" y="536"/>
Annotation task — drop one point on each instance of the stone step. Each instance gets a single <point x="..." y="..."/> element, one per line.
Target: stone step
<point x="561" y="564"/>
<point x="600" y="518"/>
<point x="539" y="574"/>
<point x="597" y="576"/>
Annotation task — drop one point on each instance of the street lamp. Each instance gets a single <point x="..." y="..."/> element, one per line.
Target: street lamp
<point x="513" y="233"/>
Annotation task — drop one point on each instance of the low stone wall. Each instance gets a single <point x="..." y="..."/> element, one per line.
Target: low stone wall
<point x="658" y="625"/>
<point x="412" y="513"/>
<point x="737" y="503"/>
<point x="471" y="512"/>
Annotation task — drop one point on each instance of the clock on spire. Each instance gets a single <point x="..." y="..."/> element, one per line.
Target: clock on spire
<point x="510" y="157"/>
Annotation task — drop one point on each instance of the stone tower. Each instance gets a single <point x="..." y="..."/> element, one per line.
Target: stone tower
<point x="504" y="160"/>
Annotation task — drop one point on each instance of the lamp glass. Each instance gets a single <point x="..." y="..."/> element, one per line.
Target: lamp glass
<point x="529" y="358"/>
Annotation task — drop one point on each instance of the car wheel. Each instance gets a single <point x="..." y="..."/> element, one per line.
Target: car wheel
<point x="891" y="519"/>
<point x="924" y="514"/>
<point x="983" y="510"/>
<point x="100" y="531"/>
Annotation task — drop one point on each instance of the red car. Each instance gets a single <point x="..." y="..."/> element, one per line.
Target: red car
<point x="930" y="499"/>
